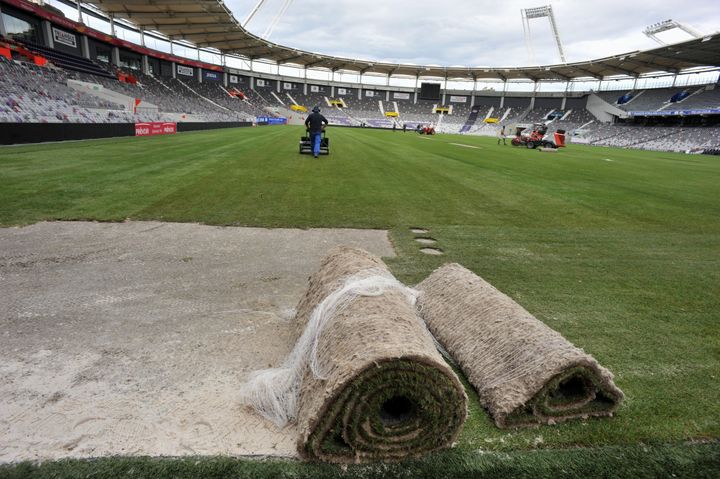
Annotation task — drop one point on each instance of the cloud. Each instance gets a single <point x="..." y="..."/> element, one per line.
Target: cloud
<point x="470" y="32"/>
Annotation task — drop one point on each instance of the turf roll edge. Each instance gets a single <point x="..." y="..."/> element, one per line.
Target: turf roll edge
<point x="525" y="372"/>
<point x="386" y="393"/>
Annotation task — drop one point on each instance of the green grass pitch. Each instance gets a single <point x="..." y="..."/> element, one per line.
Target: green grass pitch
<point x="619" y="250"/>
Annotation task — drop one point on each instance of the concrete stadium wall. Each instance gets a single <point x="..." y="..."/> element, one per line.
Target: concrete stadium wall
<point x="493" y="101"/>
<point x="575" y="103"/>
<point x="547" y="103"/>
<point x="603" y="110"/>
<point x="517" y="103"/>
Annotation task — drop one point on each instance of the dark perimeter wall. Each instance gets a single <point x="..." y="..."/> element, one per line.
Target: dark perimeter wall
<point x="17" y="133"/>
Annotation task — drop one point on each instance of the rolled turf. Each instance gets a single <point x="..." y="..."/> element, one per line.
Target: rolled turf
<point x="525" y="372"/>
<point x="386" y="394"/>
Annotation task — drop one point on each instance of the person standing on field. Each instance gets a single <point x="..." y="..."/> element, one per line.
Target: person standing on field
<point x="501" y="135"/>
<point x="315" y="124"/>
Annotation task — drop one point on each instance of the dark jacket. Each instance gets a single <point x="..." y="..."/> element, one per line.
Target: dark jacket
<point x="314" y="122"/>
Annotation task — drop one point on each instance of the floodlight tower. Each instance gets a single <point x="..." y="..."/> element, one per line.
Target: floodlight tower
<point x="660" y="27"/>
<point x="253" y="12"/>
<point x="271" y="27"/>
<point x="540" y="12"/>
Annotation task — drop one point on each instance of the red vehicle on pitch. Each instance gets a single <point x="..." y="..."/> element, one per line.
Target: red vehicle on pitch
<point x="536" y="137"/>
<point x="425" y="130"/>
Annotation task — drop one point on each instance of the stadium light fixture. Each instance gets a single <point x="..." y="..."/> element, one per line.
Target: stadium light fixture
<point x="664" y="26"/>
<point x="546" y="11"/>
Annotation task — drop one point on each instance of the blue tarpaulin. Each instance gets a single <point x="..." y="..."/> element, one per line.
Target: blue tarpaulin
<point x="625" y="98"/>
<point x="679" y="96"/>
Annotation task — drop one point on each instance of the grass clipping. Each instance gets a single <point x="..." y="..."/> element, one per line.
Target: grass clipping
<point x="525" y="372"/>
<point x="374" y="386"/>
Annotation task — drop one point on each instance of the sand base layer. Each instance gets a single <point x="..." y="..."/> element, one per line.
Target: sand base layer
<point x="132" y="338"/>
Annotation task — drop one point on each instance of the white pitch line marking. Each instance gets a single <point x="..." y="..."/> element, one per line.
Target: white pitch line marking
<point x="607" y="159"/>
<point x="467" y="146"/>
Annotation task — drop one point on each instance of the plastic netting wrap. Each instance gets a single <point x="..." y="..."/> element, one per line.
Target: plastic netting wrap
<point x="364" y="381"/>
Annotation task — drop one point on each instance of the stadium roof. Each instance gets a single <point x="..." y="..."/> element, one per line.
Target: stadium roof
<point x="209" y="23"/>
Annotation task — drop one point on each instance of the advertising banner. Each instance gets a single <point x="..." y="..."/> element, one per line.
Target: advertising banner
<point x="314" y="89"/>
<point x="268" y="120"/>
<point x="369" y="93"/>
<point x="458" y="99"/>
<point x="155" y="128"/>
<point x="342" y="91"/>
<point x="260" y="82"/>
<point x="713" y="111"/>
<point x="288" y="86"/>
<point x="233" y="79"/>
<point x="401" y="96"/>
<point x="212" y="76"/>
<point x="186" y="71"/>
<point x="66" y="38"/>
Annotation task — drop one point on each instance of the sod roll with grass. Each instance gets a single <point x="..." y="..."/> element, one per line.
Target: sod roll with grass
<point x="525" y="372"/>
<point x="375" y="387"/>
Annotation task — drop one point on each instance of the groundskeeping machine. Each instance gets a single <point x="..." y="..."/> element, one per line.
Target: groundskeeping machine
<point x="534" y="137"/>
<point x="306" y="147"/>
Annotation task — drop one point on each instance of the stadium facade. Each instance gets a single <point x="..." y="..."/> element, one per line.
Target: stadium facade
<point x="195" y="62"/>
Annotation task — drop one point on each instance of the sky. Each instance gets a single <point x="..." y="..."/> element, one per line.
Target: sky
<point x="472" y="32"/>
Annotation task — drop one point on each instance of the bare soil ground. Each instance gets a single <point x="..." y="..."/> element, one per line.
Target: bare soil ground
<point x="132" y="338"/>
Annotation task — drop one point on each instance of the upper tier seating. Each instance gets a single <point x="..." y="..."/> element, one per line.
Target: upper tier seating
<point x="659" y="99"/>
<point x="68" y="61"/>
<point x="705" y="100"/>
